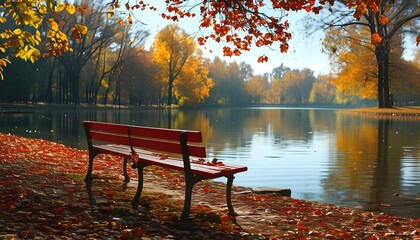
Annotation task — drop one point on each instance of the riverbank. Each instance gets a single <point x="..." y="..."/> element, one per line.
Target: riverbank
<point x="43" y="196"/>
<point x="396" y="112"/>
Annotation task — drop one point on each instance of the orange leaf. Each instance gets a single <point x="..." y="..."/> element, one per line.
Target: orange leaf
<point x="316" y="9"/>
<point x="201" y="40"/>
<point x="82" y="9"/>
<point x="376" y="39"/>
<point x="237" y="52"/>
<point x="76" y="34"/>
<point x="284" y="48"/>
<point x="383" y="20"/>
<point x="227" y="52"/>
<point x="418" y="40"/>
<point x="262" y="59"/>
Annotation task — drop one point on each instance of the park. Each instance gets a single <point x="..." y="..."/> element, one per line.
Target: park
<point x="111" y="129"/>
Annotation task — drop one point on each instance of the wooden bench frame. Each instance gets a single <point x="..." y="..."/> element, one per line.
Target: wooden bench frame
<point x="150" y="146"/>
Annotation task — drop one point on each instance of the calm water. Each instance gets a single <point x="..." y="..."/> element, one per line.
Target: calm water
<point x="321" y="154"/>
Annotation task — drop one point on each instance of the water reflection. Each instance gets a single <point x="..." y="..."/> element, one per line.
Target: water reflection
<point x="368" y="171"/>
<point x="320" y="154"/>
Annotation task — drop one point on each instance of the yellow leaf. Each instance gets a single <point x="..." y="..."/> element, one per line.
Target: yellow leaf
<point x="120" y="22"/>
<point x="51" y="4"/>
<point x="38" y="36"/>
<point x="70" y="8"/>
<point x="42" y="9"/>
<point x="17" y="31"/>
<point x="60" y="7"/>
<point x="54" y="24"/>
<point x="82" y="29"/>
<point x="110" y="14"/>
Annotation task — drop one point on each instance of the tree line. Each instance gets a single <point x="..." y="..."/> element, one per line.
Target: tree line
<point x="108" y="64"/>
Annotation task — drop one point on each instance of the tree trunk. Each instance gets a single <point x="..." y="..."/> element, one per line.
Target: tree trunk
<point x="49" y="94"/>
<point x="387" y="99"/>
<point x="169" y="102"/>
<point x="380" y="62"/>
<point x="75" y="80"/>
<point x="382" y="59"/>
<point x="170" y="87"/>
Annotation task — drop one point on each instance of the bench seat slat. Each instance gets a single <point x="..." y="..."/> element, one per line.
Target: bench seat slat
<point x="207" y="171"/>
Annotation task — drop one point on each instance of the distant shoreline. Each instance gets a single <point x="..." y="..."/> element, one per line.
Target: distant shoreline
<point x="409" y="111"/>
<point x="412" y="111"/>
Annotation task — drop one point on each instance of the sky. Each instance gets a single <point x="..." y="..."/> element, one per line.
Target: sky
<point x="304" y="51"/>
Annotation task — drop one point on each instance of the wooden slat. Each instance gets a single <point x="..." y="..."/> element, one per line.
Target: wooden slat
<point x="111" y="138"/>
<point x="146" y="132"/>
<point x="207" y="171"/>
<point x="169" y="147"/>
<point x="166" y="134"/>
<point x="106" y="127"/>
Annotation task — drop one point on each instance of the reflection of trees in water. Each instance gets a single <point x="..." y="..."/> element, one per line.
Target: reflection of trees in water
<point x="369" y="159"/>
<point x="243" y="124"/>
<point x="226" y="121"/>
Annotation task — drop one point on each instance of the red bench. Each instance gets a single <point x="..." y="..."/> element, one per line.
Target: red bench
<point x="168" y="148"/>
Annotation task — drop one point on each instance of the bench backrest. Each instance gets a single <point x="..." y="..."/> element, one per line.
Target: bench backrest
<point x="183" y="142"/>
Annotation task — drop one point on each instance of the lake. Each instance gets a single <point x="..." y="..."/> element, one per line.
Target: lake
<point x="320" y="154"/>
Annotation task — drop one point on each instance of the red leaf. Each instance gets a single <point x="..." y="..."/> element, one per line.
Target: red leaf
<point x="138" y="232"/>
<point x="110" y="193"/>
<point x="301" y="226"/>
<point x="58" y="211"/>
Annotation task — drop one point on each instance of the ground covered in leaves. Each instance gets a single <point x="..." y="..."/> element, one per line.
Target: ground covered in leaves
<point x="42" y="196"/>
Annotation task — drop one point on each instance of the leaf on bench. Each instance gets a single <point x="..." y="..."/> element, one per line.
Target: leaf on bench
<point x="214" y="162"/>
<point x="162" y="156"/>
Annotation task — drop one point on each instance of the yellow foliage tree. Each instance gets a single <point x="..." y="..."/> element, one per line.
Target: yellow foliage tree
<point x="354" y="68"/>
<point x="356" y="71"/>
<point x="180" y="65"/>
<point x="257" y="88"/>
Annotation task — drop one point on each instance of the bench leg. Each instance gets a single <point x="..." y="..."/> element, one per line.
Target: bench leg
<point x="229" y="195"/>
<point x="126" y="177"/>
<point x="88" y="177"/>
<point x="189" y="184"/>
<point x="136" y="198"/>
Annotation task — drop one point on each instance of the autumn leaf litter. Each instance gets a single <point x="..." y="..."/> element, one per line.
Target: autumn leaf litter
<point x="43" y="196"/>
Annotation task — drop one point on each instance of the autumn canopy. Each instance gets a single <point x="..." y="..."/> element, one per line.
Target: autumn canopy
<point x="238" y="25"/>
<point x="242" y="24"/>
